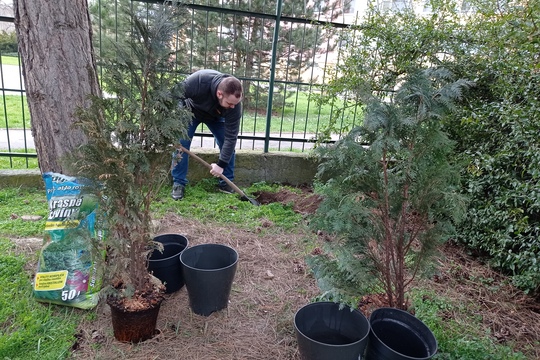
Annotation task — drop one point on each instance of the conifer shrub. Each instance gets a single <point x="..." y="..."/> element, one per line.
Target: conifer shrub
<point x="391" y="192"/>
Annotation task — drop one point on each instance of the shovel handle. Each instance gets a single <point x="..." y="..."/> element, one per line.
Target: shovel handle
<point x="223" y="177"/>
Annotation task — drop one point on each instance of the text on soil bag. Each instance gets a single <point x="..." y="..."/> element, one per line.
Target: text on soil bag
<point x="52" y="280"/>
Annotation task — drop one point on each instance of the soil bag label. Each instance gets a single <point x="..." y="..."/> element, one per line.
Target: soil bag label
<point x="52" y="280"/>
<point x="68" y="269"/>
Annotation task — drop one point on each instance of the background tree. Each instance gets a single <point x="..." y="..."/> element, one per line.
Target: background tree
<point x="8" y="43"/>
<point x="240" y="44"/>
<point x="55" y="44"/>
<point x="243" y="45"/>
<point x="384" y="47"/>
<point x="109" y="27"/>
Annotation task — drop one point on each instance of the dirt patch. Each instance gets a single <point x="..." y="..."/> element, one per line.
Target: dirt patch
<point x="28" y="245"/>
<point x="511" y="316"/>
<point x="258" y="323"/>
<point x="303" y="201"/>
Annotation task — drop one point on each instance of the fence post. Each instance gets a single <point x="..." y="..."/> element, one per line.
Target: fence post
<point x="272" y="75"/>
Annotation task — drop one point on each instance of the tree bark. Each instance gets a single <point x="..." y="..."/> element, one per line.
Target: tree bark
<point x="55" y="44"/>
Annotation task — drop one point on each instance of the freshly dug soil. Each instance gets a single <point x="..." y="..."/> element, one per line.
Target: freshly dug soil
<point x="303" y="202"/>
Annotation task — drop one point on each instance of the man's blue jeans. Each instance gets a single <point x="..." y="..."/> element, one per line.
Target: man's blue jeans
<point x="180" y="168"/>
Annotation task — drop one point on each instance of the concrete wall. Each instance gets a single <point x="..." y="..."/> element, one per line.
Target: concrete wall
<point x="251" y="166"/>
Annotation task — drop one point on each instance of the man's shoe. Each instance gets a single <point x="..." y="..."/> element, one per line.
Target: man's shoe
<point x="225" y="188"/>
<point x="177" y="192"/>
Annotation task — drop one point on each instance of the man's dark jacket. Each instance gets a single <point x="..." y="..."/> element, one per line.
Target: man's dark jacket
<point x="200" y="93"/>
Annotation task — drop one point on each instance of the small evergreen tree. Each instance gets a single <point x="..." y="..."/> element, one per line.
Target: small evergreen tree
<point x="131" y="136"/>
<point x="393" y="201"/>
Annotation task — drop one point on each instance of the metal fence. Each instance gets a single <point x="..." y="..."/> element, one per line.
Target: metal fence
<point x="283" y="56"/>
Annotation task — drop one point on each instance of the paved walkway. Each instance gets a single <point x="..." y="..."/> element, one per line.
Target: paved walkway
<point x="11" y="79"/>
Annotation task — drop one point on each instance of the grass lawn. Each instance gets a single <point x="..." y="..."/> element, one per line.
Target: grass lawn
<point x="302" y="113"/>
<point x="28" y="329"/>
<point x="304" y="117"/>
<point x="18" y="162"/>
<point x="15" y="111"/>
<point x="10" y="60"/>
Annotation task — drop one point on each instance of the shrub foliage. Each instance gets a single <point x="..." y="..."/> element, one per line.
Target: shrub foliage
<point x="498" y="138"/>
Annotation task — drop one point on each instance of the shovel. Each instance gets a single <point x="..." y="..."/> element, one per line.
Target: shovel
<point x="242" y="194"/>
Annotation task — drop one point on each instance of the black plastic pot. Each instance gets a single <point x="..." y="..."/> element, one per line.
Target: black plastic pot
<point x="397" y="335"/>
<point x="326" y="332"/>
<point x="209" y="271"/>
<point x="166" y="265"/>
<point x="133" y="326"/>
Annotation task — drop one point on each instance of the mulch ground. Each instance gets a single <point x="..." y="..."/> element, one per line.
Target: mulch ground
<point x="270" y="285"/>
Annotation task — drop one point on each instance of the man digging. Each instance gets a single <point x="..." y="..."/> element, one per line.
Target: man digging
<point x="214" y="98"/>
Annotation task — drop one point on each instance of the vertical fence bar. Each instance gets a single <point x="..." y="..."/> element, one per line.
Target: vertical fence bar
<point x="191" y="41"/>
<point x="284" y="100"/>
<point x="5" y="110"/>
<point x="272" y="76"/>
<point x="206" y="40"/>
<point x="258" y="22"/>
<point x="324" y="76"/>
<point x="299" y="88"/>
<point x="220" y="35"/>
<point x="314" y="59"/>
<point x="238" y="61"/>
<point x="23" y="108"/>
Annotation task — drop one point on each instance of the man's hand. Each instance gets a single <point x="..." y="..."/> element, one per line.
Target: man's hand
<point x="216" y="170"/>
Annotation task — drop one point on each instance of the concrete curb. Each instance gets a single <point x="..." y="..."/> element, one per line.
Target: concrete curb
<point x="21" y="178"/>
<point x="251" y="167"/>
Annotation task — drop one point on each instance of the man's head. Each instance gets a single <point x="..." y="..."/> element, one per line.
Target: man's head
<point x="229" y="92"/>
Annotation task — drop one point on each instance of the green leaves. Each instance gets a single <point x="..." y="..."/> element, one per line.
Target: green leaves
<point x="498" y="137"/>
<point x="495" y="123"/>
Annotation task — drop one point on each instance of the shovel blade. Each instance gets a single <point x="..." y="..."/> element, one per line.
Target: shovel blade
<point x="253" y="201"/>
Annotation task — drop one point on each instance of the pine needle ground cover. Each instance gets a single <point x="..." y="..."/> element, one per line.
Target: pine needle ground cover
<point x="474" y="312"/>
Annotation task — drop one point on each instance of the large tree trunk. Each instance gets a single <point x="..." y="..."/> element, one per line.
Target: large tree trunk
<point x="55" y="43"/>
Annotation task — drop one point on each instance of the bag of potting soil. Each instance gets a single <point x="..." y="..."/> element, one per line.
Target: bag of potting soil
<point x="69" y="268"/>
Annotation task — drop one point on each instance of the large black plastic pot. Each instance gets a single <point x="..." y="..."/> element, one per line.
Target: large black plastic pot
<point x="397" y="335"/>
<point x="326" y="332"/>
<point x="209" y="271"/>
<point x="166" y="265"/>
